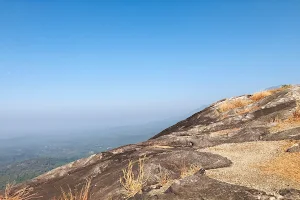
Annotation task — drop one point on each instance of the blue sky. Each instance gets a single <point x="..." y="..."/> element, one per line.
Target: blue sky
<point x="98" y="63"/>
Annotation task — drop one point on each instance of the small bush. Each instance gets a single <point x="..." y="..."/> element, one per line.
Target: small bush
<point x="260" y="95"/>
<point x="286" y="86"/>
<point x="131" y="183"/>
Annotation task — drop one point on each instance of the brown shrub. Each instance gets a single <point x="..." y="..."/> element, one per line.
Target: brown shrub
<point x="131" y="183"/>
<point x="232" y="104"/>
<point x="260" y="95"/>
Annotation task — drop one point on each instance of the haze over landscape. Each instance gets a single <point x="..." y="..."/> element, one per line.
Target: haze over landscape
<point x="87" y="64"/>
<point x="82" y="77"/>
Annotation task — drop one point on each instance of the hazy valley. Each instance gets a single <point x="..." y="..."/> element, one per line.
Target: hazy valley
<point x="25" y="157"/>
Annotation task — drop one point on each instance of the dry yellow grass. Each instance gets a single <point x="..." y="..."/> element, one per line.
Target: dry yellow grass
<point x="278" y="89"/>
<point x="20" y="194"/>
<point x="83" y="194"/>
<point x="131" y="183"/>
<point x="286" y="165"/>
<point x="188" y="171"/>
<point x="238" y="103"/>
<point x="260" y="95"/>
<point x="232" y="104"/>
<point x="282" y="88"/>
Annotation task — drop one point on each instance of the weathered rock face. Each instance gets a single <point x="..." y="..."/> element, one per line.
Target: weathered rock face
<point x="294" y="148"/>
<point x="179" y="147"/>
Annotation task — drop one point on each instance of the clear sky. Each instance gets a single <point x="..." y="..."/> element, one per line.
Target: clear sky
<point x="101" y="63"/>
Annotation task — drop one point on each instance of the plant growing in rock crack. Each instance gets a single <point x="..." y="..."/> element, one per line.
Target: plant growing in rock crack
<point x="189" y="170"/>
<point x="132" y="183"/>
<point x="164" y="178"/>
<point x="20" y="194"/>
<point x="83" y="194"/>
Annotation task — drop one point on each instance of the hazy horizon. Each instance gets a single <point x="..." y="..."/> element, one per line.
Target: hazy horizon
<point x="93" y="64"/>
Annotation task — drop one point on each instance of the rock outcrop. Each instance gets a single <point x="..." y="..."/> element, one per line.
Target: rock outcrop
<point x="194" y="158"/>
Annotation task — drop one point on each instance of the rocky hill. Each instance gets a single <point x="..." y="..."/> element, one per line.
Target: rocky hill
<point x="246" y="147"/>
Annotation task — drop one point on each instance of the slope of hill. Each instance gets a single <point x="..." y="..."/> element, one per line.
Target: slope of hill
<point x="246" y="147"/>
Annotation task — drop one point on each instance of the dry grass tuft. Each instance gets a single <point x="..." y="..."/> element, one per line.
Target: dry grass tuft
<point x="260" y="95"/>
<point x="188" y="171"/>
<point x="21" y="194"/>
<point x="131" y="183"/>
<point x="164" y="179"/>
<point x="232" y="104"/>
<point x="238" y="103"/>
<point x="83" y="194"/>
<point x="285" y="165"/>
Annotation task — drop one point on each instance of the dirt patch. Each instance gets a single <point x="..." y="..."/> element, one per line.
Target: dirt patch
<point x="246" y="157"/>
<point x="286" y="164"/>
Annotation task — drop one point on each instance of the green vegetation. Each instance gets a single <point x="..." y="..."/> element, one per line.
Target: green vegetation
<point x="285" y="86"/>
<point x="28" y="169"/>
